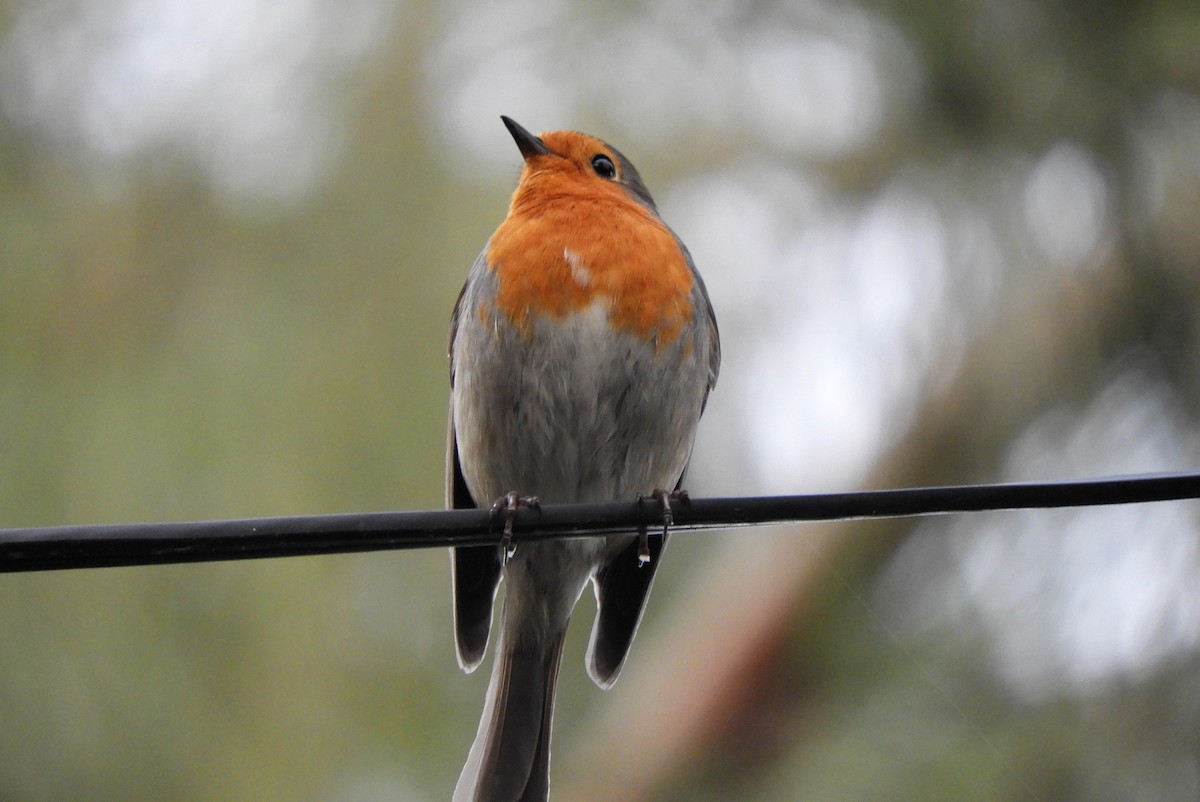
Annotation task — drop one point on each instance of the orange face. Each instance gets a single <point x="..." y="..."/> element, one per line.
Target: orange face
<point x="575" y="236"/>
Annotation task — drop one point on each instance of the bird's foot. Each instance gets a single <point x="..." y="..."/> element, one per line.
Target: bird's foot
<point x="509" y="503"/>
<point x="668" y="519"/>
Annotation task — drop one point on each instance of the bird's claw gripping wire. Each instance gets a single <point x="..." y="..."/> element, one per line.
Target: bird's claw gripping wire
<point x="509" y="503"/>
<point x="668" y="520"/>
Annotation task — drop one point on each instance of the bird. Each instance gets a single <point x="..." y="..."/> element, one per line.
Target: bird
<point x="583" y="347"/>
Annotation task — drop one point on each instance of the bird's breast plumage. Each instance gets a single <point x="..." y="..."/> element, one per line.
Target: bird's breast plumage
<point x="591" y="247"/>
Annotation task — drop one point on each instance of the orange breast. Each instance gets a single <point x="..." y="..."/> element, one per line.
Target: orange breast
<point x="561" y="249"/>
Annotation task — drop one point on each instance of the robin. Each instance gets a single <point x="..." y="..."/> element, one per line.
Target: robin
<point x="582" y="350"/>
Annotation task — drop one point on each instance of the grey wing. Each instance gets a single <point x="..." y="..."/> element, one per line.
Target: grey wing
<point x="622" y="586"/>
<point x="714" y="335"/>
<point x="475" y="570"/>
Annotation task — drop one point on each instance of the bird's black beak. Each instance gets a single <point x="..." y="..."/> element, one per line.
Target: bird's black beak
<point x="527" y="143"/>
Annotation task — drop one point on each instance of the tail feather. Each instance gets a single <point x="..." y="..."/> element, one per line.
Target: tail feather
<point x="538" y="786"/>
<point x="510" y="758"/>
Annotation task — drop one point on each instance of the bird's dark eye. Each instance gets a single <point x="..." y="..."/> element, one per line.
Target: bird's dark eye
<point x="604" y="166"/>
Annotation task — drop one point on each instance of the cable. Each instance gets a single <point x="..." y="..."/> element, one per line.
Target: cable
<point x="62" y="547"/>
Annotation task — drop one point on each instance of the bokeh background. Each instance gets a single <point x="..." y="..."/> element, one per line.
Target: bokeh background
<point x="947" y="242"/>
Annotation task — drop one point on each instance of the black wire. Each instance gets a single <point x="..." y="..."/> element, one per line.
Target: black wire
<point x="60" y="547"/>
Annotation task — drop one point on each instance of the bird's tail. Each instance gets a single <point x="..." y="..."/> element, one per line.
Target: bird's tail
<point x="510" y="759"/>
